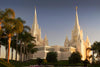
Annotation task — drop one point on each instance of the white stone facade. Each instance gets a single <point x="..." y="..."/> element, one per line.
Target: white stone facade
<point x="62" y="52"/>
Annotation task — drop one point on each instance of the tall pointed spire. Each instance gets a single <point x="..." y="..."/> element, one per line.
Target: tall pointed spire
<point x="88" y="42"/>
<point x="76" y="30"/>
<point x="77" y="21"/>
<point x="35" y="16"/>
<point x="35" y="24"/>
<point x="45" y="41"/>
<point x="66" y="42"/>
<point x="87" y="39"/>
<point x="45" y="38"/>
<point x="66" y="38"/>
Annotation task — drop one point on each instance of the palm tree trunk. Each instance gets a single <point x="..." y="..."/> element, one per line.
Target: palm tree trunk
<point x="24" y="52"/>
<point x="16" y="46"/>
<point x="0" y="24"/>
<point x="0" y="42"/>
<point x="0" y="49"/>
<point x="16" y="52"/>
<point x="21" y="52"/>
<point x="9" y="42"/>
<point x="6" y="51"/>
<point x="12" y="53"/>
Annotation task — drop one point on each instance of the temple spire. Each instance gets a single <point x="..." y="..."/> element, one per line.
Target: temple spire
<point x="76" y="31"/>
<point x="87" y="39"/>
<point x="45" y="41"/>
<point x="66" y="42"/>
<point x="35" y="24"/>
<point x="45" y="38"/>
<point x="77" y="21"/>
<point x="76" y="8"/>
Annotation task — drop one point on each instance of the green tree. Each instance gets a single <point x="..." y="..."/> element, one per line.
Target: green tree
<point x="30" y="49"/>
<point x="13" y="45"/>
<point x="11" y="26"/>
<point x="75" y="58"/>
<point x="17" y="35"/>
<point x="51" y="57"/>
<point x="39" y="61"/>
<point x="7" y="13"/>
<point x="25" y="38"/>
<point x="96" y="49"/>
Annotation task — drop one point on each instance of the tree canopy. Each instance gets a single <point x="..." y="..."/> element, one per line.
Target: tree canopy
<point x="51" y="57"/>
<point x="75" y="57"/>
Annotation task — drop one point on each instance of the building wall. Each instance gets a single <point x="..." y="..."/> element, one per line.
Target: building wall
<point x="63" y="53"/>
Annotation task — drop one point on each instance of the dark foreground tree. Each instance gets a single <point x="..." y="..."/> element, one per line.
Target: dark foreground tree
<point x="51" y="57"/>
<point x="39" y="61"/>
<point x="75" y="58"/>
<point x="96" y="50"/>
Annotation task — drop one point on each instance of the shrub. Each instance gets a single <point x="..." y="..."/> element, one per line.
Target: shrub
<point x="75" y="58"/>
<point x="51" y="57"/>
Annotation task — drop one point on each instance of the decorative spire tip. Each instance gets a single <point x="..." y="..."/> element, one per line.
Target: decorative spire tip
<point x="76" y="8"/>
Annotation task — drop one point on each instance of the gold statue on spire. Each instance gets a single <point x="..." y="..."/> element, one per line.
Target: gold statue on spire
<point x="76" y="8"/>
<point x="34" y="6"/>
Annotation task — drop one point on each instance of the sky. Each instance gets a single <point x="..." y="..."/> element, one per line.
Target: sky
<point x="57" y="17"/>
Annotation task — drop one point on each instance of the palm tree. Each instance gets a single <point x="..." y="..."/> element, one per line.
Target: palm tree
<point x="30" y="49"/>
<point x="28" y="40"/>
<point x="13" y="42"/>
<point x="8" y="13"/>
<point x="20" y="37"/>
<point x="16" y="46"/>
<point x="17" y="35"/>
<point x="24" y="37"/>
<point x="12" y="26"/>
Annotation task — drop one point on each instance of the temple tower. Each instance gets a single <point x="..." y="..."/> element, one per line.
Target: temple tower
<point x="45" y="42"/>
<point x="36" y="31"/>
<point x="76" y="34"/>
<point x="66" y="43"/>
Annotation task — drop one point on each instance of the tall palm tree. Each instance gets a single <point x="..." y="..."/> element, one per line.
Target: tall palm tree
<point x="28" y="39"/>
<point x="7" y="14"/>
<point x="17" y="35"/>
<point x="16" y="47"/>
<point x="25" y="38"/>
<point x="30" y="49"/>
<point x="3" y="14"/>
<point x="12" y="26"/>
<point x="20" y="37"/>
<point x="13" y="44"/>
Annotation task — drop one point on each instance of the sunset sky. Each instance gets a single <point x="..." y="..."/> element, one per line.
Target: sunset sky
<point x="57" y="17"/>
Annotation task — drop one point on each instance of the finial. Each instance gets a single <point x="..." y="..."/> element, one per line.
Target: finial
<point x="35" y="7"/>
<point x="76" y="8"/>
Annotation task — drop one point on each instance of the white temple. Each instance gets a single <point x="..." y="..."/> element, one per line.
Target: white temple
<point x="75" y="44"/>
<point x="36" y="32"/>
<point x="77" y="39"/>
